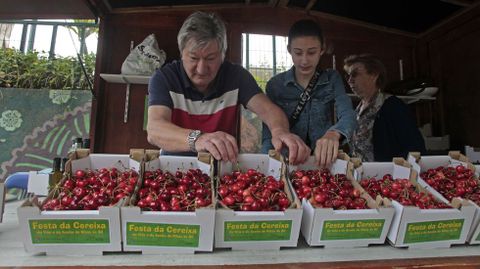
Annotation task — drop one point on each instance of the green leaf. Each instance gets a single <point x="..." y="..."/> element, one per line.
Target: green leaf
<point x="32" y="70"/>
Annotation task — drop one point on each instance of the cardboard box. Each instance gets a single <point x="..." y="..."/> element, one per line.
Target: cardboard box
<point x="258" y="229"/>
<point x="38" y="183"/>
<point x="155" y="232"/>
<point x="420" y="228"/>
<point x="81" y="232"/>
<point x="75" y="232"/>
<point x="343" y="228"/>
<point x="473" y="154"/>
<point x="2" y="200"/>
<point x="454" y="158"/>
<point x="437" y="142"/>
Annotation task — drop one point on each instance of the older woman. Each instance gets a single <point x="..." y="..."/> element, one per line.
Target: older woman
<point x="386" y="127"/>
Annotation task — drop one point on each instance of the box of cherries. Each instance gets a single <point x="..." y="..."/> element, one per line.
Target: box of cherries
<point x="337" y="212"/>
<point x="422" y="219"/>
<point x="256" y="208"/>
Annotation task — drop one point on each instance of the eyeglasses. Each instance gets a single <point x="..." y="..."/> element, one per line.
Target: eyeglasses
<point x="354" y="74"/>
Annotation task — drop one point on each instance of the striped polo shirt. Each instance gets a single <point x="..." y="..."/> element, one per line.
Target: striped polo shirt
<point x="216" y="111"/>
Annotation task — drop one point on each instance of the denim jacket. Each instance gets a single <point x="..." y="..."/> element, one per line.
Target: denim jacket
<point x="316" y="117"/>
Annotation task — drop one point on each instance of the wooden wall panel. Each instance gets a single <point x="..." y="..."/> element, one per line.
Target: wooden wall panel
<point x="113" y="136"/>
<point x="451" y="55"/>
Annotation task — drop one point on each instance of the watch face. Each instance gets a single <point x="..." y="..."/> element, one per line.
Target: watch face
<point x="192" y="138"/>
<point x="194" y="134"/>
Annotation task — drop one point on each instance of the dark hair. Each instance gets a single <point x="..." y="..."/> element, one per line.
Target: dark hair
<point x="372" y="64"/>
<point x="305" y="27"/>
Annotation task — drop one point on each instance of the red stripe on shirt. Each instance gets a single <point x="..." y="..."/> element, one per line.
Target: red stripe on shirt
<point x="224" y="120"/>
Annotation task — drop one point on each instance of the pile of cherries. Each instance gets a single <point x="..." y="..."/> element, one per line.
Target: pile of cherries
<point x="88" y="189"/>
<point x="252" y="191"/>
<point x="453" y="182"/>
<point x="401" y="190"/>
<point x="325" y="190"/>
<point x="179" y="191"/>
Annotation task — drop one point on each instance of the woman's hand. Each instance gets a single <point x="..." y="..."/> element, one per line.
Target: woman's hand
<point x="326" y="148"/>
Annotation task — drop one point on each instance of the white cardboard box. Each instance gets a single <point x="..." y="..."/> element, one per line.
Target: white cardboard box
<point x="2" y="200"/>
<point x="155" y="232"/>
<point x="343" y="228"/>
<point x="423" y="163"/>
<point x="38" y="183"/>
<point x="419" y="228"/>
<point x="257" y="229"/>
<point x="82" y="232"/>
<point x="75" y="232"/>
<point x="473" y="154"/>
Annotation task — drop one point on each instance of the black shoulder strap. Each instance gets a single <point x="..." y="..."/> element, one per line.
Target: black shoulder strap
<point x="304" y="98"/>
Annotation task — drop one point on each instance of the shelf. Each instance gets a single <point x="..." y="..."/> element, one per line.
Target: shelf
<point x="409" y="99"/>
<point x="125" y="79"/>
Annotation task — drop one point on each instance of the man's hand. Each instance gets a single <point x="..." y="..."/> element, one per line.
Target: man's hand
<point x="298" y="151"/>
<point x="221" y="145"/>
<point x="326" y="148"/>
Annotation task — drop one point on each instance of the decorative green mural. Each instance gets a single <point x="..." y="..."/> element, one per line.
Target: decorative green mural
<point x="37" y="125"/>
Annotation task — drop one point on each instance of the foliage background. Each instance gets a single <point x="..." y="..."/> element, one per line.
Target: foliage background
<point x="32" y="70"/>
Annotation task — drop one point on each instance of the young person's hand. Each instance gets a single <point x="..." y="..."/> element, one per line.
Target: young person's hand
<point x="326" y="148"/>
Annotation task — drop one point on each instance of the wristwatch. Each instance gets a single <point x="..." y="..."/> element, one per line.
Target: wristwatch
<point x="192" y="138"/>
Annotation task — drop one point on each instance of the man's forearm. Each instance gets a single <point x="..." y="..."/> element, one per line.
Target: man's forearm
<point x="270" y="114"/>
<point x="168" y="136"/>
<point x="277" y="122"/>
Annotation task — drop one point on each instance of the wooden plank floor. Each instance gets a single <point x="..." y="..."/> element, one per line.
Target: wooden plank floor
<point x="472" y="262"/>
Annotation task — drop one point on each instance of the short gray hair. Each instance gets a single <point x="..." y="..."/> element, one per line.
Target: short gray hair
<point x="372" y="65"/>
<point x="203" y="27"/>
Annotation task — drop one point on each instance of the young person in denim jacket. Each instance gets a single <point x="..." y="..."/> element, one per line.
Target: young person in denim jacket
<point x="315" y="123"/>
<point x="386" y="127"/>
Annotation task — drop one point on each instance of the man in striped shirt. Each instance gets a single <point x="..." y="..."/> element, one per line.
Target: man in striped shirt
<point x="194" y="103"/>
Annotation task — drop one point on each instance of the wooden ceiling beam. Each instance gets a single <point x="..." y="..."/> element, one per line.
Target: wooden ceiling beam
<point x="150" y="9"/>
<point x="462" y="3"/>
<point x="107" y="5"/>
<point x="283" y="3"/>
<point x="273" y="3"/>
<point x="362" y="24"/>
<point x="46" y="9"/>
<point x="310" y="4"/>
<point x="451" y="18"/>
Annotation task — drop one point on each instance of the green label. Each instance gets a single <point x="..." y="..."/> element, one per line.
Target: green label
<point x="69" y="231"/>
<point x="257" y="230"/>
<point x="352" y="229"/>
<point x="428" y="231"/>
<point x="160" y="234"/>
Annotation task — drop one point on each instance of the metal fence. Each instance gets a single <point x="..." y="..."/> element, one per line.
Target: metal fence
<point x="264" y="56"/>
<point x="29" y="33"/>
